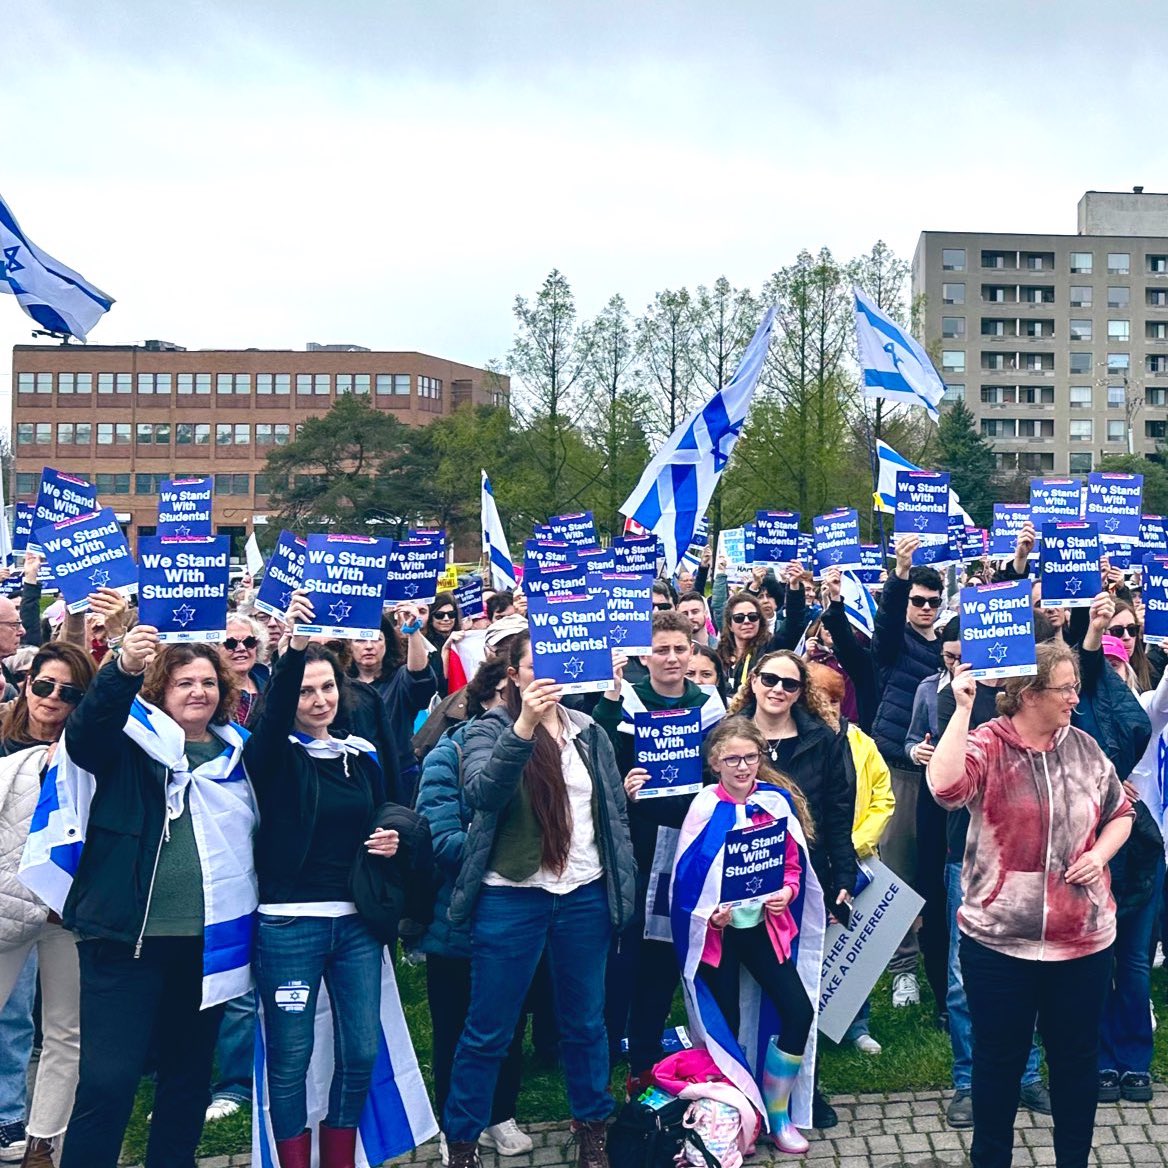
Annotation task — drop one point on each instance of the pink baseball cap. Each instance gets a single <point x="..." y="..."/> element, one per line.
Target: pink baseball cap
<point x="1114" y="647"/>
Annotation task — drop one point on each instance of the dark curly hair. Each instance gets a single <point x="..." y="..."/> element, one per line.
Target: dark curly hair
<point x="173" y="657"/>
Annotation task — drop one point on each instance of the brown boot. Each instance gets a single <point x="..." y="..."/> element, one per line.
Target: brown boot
<point x="338" y="1146"/>
<point x="463" y="1153"/>
<point x="38" y="1153"/>
<point x="296" y="1152"/>
<point x="591" y="1138"/>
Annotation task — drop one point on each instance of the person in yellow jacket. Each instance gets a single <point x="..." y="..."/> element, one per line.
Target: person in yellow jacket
<point x="874" y="806"/>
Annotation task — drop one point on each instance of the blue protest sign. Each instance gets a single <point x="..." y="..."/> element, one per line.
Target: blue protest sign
<point x="1155" y="598"/>
<point x="1007" y="523"/>
<point x="635" y="554"/>
<point x="86" y="553"/>
<point x="668" y="744"/>
<point x="184" y="506"/>
<point x="1055" y="499"/>
<point x="997" y="629"/>
<point x="61" y="496"/>
<point x="413" y="569"/>
<point x="469" y="598"/>
<point x="837" y="540"/>
<point x="931" y="555"/>
<point x="569" y="641"/>
<point x="1115" y="502"/>
<point x="871" y="564"/>
<point x="754" y="862"/>
<point x="182" y="586"/>
<point x="974" y="543"/>
<point x="630" y="610"/>
<point x="594" y="560"/>
<point x="344" y="576"/>
<point x="693" y="554"/>
<point x="922" y="505"/>
<point x="577" y="528"/>
<point x="429" y="534"/>
<point x="1119" y="554"/>
<point x="806" y="548"/>
<point x="547" y="553"/>
<point x="21" y="526"/>
<point x="564" y="580"/>
<point x="1153" y="539"/>
<point x="283" y="575"/>
<point x="1070" y="564"/>
<point x="776" y="537"/>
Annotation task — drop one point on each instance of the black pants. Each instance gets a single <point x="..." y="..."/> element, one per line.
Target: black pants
<point x="448" y="994"/>
<point x="933" y="938"/>
<point x="125" y="1002"/>
<point x="751" y="949"/>
<point x="1007" y="996"/>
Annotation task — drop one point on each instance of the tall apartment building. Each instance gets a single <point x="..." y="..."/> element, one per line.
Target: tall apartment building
<point x="126" y="417"/>
<point x="1057" y="343"/>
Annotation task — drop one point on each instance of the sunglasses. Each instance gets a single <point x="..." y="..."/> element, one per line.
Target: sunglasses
<point x="925" y="601"/>
<point x="1119" y="630"/>
<point x="43" y="687"/>
<point x="445" y="614"/>
<point x="789" y="684"/>
<point x="745" y="618"/>
<point x="663" y="606"/>
<point x="233" y="643"/>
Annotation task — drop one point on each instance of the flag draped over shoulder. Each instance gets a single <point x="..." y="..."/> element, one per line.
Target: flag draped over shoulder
<point x="888" y="464"/>
<point x="893" y="366"/>
<point x="675" y="488"/>
<point x="55" y="296"/>
<point x="694" y="895"/>
<point x="495" y="541"/>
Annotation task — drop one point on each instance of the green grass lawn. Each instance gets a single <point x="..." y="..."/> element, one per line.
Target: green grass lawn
<point x="916" y="1057"/>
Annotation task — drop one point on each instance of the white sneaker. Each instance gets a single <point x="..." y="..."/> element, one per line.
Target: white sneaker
<point x="506" y="1139"/>
<point x="222" y="1108"/>
<point x="443" y="1151"/>
<point x="905" y="990"/>
<point x="1151" y="1006"/>
<point x="866" y="1044"/>
<point x="1158" y="959"/>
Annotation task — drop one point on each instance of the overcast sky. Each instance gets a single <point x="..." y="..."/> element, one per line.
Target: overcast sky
<point x="269" y="172"/>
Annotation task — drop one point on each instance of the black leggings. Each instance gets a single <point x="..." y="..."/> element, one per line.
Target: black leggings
<point x="752" y="950"/>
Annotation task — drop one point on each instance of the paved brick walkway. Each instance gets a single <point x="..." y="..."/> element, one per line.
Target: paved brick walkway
<point x="887" y="1131"/>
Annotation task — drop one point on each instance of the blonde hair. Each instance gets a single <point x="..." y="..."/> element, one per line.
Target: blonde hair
<point x="1049" y="655"/>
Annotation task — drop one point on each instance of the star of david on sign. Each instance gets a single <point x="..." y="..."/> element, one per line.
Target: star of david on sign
<point x="285" y="598"/>
<point x="836" y="555"/>
<point x="669" y="774"/>
<point x="1111" y="523"/>
<point x="996" y="653"/>
<point x="339" y="610"/>
<point x="99" y="577"/>
<point x="573" y="667"/>
<point x="1075" y="585"/>
<point x="617" y="636"/>
<point x="411" y="589"/>
<point x="754" y="884"/>
<point x="921" y="522"/>
<point x="182" y="529"/>
<point x="183" y="615"/>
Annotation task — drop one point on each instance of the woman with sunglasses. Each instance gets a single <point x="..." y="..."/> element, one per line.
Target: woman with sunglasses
<point x="57" y="680"/>
<point x="1125" y="627"/>
<point x="743" y="638"/>
<point x="441" y="624"/>
<point x="245" y="652"/>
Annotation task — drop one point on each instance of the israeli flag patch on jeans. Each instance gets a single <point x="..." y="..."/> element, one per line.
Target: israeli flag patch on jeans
<point x="292" y="996"/>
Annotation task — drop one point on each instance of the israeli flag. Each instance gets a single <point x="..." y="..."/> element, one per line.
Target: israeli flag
<point x="889" y="463"/>
<point x="676" y="486"/>
<point x="858" y="604"/>
<point x="893" y="366"/>
<point x="55" y="296"/>
<point x="495" y="547"/>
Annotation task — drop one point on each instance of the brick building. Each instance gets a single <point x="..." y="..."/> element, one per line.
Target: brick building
<point x="127" y="416"/>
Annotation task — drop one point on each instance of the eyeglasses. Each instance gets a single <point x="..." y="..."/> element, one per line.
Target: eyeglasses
<point x="233" y="643"/>
<point x="951" y="658"/>
<point x="1065" y="691"/>
<point x="661" y="606"/>
<point x="44" y="687"/>
<point x="1119" y="630"/>
<point x="12" y="624"/>
<point x="789" y="684"/>
<point x="745" y="618"/>
<point x="445" y="614"/>
<point x="925" y="601"/>
<point x="737" y="761"/>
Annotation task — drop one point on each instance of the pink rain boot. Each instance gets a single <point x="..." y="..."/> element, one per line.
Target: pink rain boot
<point x="779" y="1076"/>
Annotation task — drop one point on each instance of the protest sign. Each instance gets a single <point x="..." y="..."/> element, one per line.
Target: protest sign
<point x="448" y="580"/>
<point x="1055" y="499"/>
<point x="344" y="576"/>
<point x="60" y="496"/>
<point x="1007" y="523"/>
<point x="754" y="862"/>
<point x="283" y="575"/>
<point x="86" y="553"/>
<point x="748" y="542"/>
<point x="635" y="554"/>
<point x="564" y="580"/>
<point x="630" y="610"/>
<point x="594" y="560"/>
<point x="668" y="744"/>
<point x="547" y="553"/>
<point x="569" y="641"/>
<point x="412" y="570"/>
<point x="1155" y="598"/>
<point x="1115" y="501"/>
<point x="855" y="957"/>
<point x="252" y="556"/>
<point x="931" y="555"/>
<point x="922" y="505"/>
<point x="1070" y="564"/>
<point x="21" y="526"/>
<point x="1153" y="539"/>
<point x="806" y="548"/>
<point x="871" y="564"/>
<point x="692" y="556"/>
<point x="837" y="540"/>
<point x="182" y="586"/>
<point x="184" y="507"/>
<point x="997" y="629"/>
<point x="776" y="538"/>
<point x="1119" y="553"/>
<point x="469" y="597"/>
<point x="577" y="528"/>
<point x="974" y="543"/>
<point x="732" y="550"/>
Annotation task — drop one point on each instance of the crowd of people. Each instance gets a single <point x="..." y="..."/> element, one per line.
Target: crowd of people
<point x="230" y="794"/>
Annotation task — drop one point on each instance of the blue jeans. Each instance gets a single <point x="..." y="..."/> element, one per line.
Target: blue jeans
<point x="859" y="1026"/>
<point x="1125" y="1038"/>
<point x="292" y="956"/>
<point x="960" y="1024"/>
<point x="511" y="928"/>
<point x="16" y="1032"/>
<point x="235" y="1051"/>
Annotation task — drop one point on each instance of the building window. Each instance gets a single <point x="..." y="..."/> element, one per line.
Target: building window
<point x="1118" y="263"/>
<point x="74" y="383"/>
<point x="954" y="393"/>
<point x="1038" y="362"/>
<point x="1081" y="430"/>
<point x="25" y="383"/>
<point x="1081" y="295"/>
<point x="1035" y="428"/>
<point x="1116" y="397"/>
<point x="232" y="434"/>
<point x="1038" y="261"/>
<point x="952" y="361"/>
<point x="1156" y="364"/>
<point x="27" y="483"/>
<point x="225" y="383"/>
<point x="1118" y="362"/>
<point x="1156" y="429"/>
<point x="1119" y="330"/>
<point x="203" y="383"/>
<point x="1156" y="397"/>
<point x="993" y="293"/>
<point x="1038" y="328"/>
<point x="124" y="383"/>
<point x="1157" y="265"/>
<point x="263" y="435"/>
<point x="278" y="383"/>
<point x="1156" y="330"/>
<point x="153" y="434"/>
<point x="148" y="484"/>
<point x="1077" y="464"/>
<point x="24" y="433"/>
<point x="1082" y="262"/>
<point x="232" y="484"/>
<point x="1080" y="362"/>
<point x="242" y="434"/>
<point x="1080" y="330"/>
<point x="352" y="383"/>
<point x="1038" y="295"/>
<point x="431" y="387"/>
<point x="1118" y="297"/>
<point x="113" y="484"/>
<point x="304" y="383"/>
<point x="953" y="259"/>
<point x="105" y="383"/>
<point x="186" y="383"/>
<point x="113" y="433"/>
<point x="44" y="433"/>
<point x="321" y="384"/>
<point x="344" y="383"/>
<point x="64" y="433"/>
<point x="192" y="434"/>
<point x="223" y="434"/>
<point x="361" y="383"/>
<point x="263" y="383"/>
<point x="44" y="383"/>
<point x="1080" y="396"/>
<point x="952" y="293"/>
<point x="1116" y="430"/>
<point x="146" y="383"/>
<point x="999" y="427"/>
<point x="993" y="328"/>
<point x="1157" y="297"/>
<point x="953" y="327"/>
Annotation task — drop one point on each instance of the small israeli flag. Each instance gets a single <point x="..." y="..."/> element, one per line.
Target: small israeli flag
<point x="893" y="366"/>
<point x="889" y="464"/>
<point x="55" y="296"/>
<point x="495" y="541"/>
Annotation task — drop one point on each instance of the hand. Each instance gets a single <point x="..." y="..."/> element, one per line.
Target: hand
<point x="794" y="574"/>
<point x="905" y="546"/>
<point x="923" y="751"/>
<point x="619" y="660"/>
<point x="1027" y="538"/>
<point x="707" y="556"/>
<point x="110" y="605"/>
<point x="382" y="843"/>
<point x="139" y="648"/>
<point x="778" y="901"/>
<point x="720" y="917"/>
<point x="245" y="581"/>
<point x="832" y="584"/>
<point x="1085" y="870"/>
<point x="32" y="567"/>
<point x="538" y="698"/>
<point x="1129" y="789"/>
<point x="964" y="687"/>
<point x="758" y="575"/>
<point x="1102" y="611"/>
<point x="300" y="612"/>
<point x="635" y="780"/>
<point x="520" y="602"/>
<point x="1112" y="578"/>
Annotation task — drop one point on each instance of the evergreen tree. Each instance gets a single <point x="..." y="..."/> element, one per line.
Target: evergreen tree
<point x="964" y="452"/>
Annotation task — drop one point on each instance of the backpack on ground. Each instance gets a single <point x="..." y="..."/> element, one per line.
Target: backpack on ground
<point x="650" y="1132"/>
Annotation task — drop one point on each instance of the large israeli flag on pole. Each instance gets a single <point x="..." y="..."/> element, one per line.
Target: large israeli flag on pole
<point x="889" y="463"/>
<point x="676" y="486"/>
<point x="55" y="296"/>
<point x="893" y="366"/>
<point x="502" y="567"/>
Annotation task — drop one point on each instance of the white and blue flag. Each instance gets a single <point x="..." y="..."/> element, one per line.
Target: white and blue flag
<point x="892" y="365"/>
<point x="676" y="486"/>
<point x="495" y="541"/>
<point x="55" y="296"/>
<point x="888" y="464"/>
